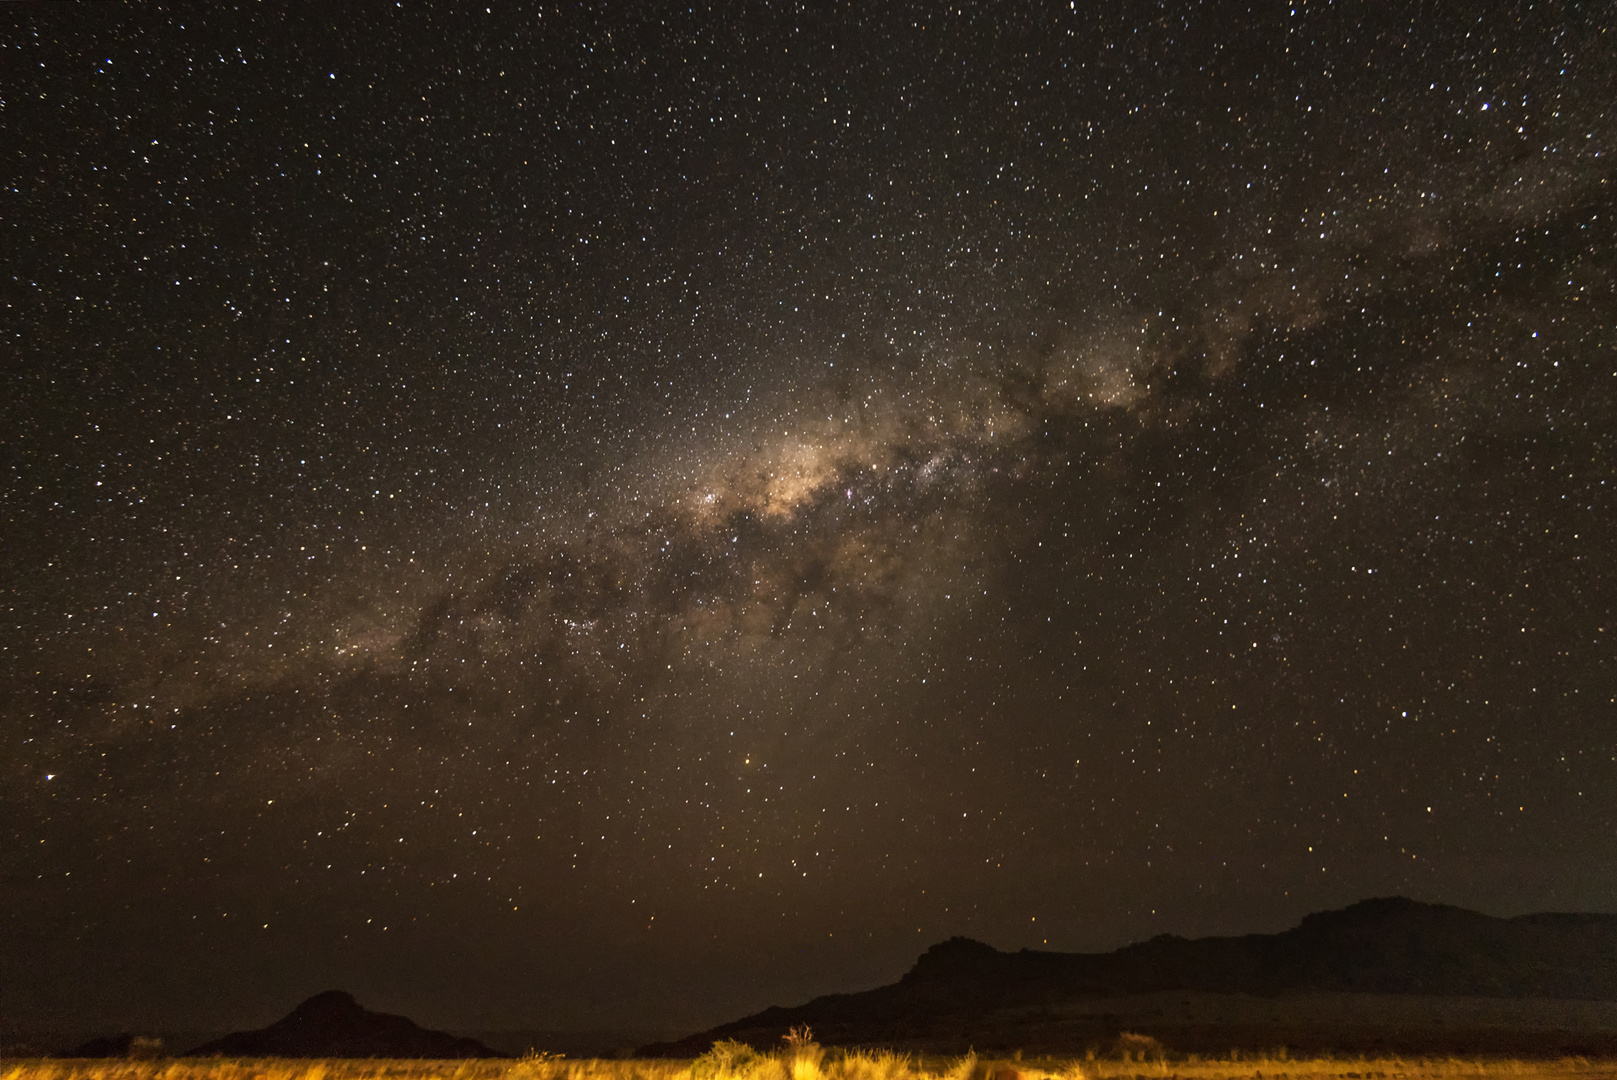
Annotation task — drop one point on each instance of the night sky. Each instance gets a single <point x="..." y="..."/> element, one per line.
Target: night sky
<point x="620" y="516"/>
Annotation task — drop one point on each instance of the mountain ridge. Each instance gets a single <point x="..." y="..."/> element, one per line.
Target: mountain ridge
<point x="1380" y="946"/>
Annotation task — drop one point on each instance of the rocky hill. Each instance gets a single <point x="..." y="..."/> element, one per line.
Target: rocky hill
<point x="333" y="1024"/>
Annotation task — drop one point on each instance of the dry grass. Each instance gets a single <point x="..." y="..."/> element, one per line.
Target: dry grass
<point x="806" y="1061"/>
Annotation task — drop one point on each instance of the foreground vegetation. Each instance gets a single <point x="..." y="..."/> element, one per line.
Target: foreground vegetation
<point x="1141" y="1059"/>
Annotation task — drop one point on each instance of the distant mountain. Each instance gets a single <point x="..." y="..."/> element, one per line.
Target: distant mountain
<point x="333" y="1024"/>
<point x="1377" y="947"/>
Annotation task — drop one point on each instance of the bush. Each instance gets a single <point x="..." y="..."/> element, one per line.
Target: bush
<point x="146" y="1048"/>
<point x="728" y="1058"/>
<point x="1132" y="1046"/>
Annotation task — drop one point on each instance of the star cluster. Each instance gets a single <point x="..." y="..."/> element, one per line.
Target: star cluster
<point x="561" y="516"/>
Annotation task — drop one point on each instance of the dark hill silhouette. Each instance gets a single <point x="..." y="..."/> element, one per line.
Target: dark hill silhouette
<point x="333" y="1024"/>
<point x="1385" y="946"/>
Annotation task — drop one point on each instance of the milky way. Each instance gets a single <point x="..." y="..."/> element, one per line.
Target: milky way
<point x="548" y="518"/>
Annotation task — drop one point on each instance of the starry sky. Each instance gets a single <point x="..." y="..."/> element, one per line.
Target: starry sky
<point x="621" y="515"/>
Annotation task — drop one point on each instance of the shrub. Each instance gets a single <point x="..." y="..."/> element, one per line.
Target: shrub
<point x="145" y="1048"/>
<point x="730" y="1059"/>
<point x="1132" y="1046"/>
